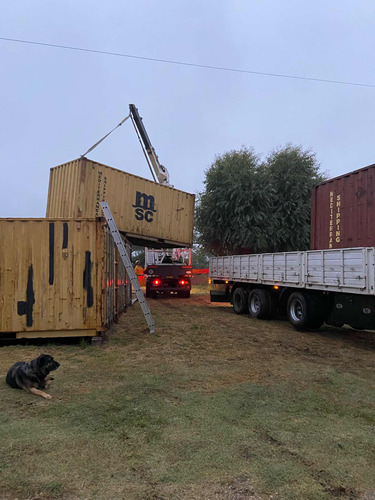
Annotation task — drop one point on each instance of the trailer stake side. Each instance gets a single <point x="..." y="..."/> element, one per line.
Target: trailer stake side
<point x="335" y="286"/>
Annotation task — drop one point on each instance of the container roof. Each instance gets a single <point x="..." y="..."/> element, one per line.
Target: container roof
<point x="346" y="175"/>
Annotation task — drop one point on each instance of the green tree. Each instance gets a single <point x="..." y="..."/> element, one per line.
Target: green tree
<point x="199" y="257"/>
<point x="249" y="206"/>
<point x="292" y="173"/>
<point x="138" y="253"/>
<point x="234" y="211"/>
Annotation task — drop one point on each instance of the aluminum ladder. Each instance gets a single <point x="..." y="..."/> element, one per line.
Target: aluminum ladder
<point x="128" y="265"/>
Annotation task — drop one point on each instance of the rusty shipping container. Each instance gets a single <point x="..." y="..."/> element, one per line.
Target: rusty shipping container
<point x="343" y="211"/>
<point x="59" y="278"/>
<point x="148" y="213"/>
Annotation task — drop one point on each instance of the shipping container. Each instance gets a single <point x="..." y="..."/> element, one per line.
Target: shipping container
<point x="147" y="213"/>
<point x="343" y="211"/>
<point x="59" y="278"/>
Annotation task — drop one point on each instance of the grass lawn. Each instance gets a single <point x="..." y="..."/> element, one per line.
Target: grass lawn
<point x="212" y="406"/>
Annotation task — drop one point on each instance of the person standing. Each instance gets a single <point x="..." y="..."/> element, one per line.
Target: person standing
<point x="139" y="271"/>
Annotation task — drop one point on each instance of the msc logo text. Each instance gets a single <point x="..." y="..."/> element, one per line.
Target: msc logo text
<point x="144" y="207"/>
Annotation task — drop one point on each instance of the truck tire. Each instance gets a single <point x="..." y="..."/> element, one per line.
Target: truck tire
<point x="259" y="304"/>
<point x="239" y="300"/>
<point x="305" y="311"/>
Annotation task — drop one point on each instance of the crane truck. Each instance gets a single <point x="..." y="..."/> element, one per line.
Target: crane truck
<point x="168" y="271"/>
<point x="165" y="272"/>
<point x="159" y="173"/>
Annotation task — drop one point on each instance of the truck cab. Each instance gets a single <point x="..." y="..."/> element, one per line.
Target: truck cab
<point x="165" y="274"/>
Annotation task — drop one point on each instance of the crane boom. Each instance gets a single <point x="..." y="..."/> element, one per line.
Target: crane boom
<point x="162" y="174"/>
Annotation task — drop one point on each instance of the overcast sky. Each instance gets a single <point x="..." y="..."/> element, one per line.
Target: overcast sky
<point x="56" y="103"/>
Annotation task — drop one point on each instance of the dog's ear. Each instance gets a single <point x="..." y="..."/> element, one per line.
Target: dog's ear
<point x="35" y="364"/>
<point x="43" y="359"/>
<point x="40" y="362"/>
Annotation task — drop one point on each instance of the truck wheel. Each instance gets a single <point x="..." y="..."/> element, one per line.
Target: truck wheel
<point x="239" y="300"/>
<point x="305" y="311"/>
<point x="259" y="304"/>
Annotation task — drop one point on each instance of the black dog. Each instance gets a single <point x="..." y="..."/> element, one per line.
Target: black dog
<point x="32" y="376"/>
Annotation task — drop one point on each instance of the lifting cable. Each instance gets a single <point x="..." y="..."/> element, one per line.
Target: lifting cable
<point x="105" y="137"/>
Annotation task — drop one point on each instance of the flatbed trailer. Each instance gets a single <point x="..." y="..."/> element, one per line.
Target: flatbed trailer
<point x="335" y="286"/>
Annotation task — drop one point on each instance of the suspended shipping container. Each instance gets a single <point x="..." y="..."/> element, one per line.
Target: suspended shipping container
<point x="147" y="213"/>
<point x="59" y="278"/>
<point x="343" y="211"/>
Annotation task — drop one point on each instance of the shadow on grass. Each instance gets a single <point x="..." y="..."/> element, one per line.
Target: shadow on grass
<point x="63" y="341"/>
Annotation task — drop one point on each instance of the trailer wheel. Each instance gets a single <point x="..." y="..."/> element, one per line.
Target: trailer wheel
<point x="259" y="304"/>
<point x="239" y="300"/>
<point x="305" y="311"/>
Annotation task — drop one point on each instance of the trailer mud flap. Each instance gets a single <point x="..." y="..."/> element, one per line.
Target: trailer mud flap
<point x="219" y="296"/>
<point x="357" y="311"/>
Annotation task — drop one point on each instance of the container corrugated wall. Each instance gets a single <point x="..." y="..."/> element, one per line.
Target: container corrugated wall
<point x="343" y="211"/>
<point x="58" y="278"/>
<point x="147" y="212"/>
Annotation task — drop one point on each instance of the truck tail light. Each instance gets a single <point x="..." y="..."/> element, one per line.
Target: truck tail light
<point x="156" y="282"/>
<point x="182" y="282"/>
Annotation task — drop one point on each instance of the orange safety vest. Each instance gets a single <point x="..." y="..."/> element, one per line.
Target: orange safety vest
<point x="139" y="271"/>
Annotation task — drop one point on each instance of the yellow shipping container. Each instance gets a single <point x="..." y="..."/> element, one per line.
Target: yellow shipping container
<point x="146" y="212"/>
<point x="59" y="278"/>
